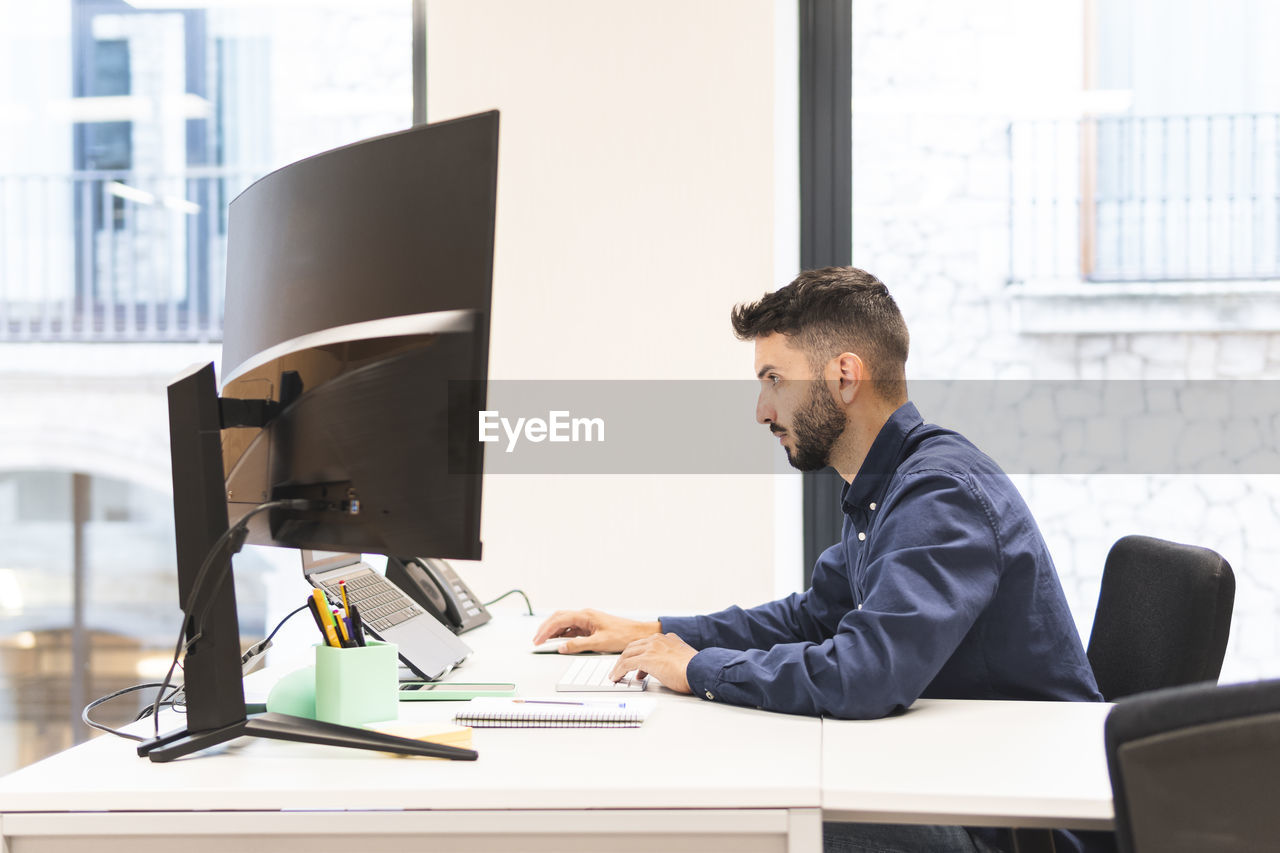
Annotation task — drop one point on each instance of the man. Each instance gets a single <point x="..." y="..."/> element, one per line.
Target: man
<point x="940" y="586"/>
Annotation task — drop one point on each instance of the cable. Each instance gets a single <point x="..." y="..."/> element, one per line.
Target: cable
<point x="186" y="611"/>
<point x="84" y="715"/>
<point x="168" y="676"/>
<point x="277" y="628"/>
<point x="239" y="530"/>
<point x="236" y="534"/>
<point x="259" y="648"/>
<point x="170" y="701"/>
<point x="512" y="592"/>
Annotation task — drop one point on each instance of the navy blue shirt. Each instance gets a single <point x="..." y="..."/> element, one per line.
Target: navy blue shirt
<point x="940" y="586"/>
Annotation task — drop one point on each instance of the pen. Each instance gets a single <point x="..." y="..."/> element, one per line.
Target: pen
<point x="357" y="625"/>
<point x="341" y="622"/>
<point x="559" y="702"/>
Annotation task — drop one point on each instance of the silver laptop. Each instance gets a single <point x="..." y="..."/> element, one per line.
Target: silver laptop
<point x="426" y="646"/>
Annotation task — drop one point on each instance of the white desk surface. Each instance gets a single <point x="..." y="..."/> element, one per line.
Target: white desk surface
<point x="973" y="762"/>
<point x="696" y="776"/>
<point x="689" y="754"/>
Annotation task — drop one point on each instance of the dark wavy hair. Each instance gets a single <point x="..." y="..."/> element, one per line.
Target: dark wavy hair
<point x="833" y="310"/>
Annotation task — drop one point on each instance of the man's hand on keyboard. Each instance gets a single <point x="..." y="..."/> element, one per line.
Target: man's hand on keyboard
<point x="664" y="656"/>
<point x="593" y="631"/>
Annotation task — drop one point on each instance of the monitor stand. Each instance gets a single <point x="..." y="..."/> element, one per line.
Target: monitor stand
<point x="212" y="674"/>
<point x="285" y="727"/>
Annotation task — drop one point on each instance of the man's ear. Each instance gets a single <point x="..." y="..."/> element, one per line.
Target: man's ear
<point x="852" y="374"/>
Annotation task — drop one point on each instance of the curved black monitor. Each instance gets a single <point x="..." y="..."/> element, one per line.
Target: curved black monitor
<point x="392" y="226"/>
<point x="355" y="356"/>
<point x="358" y="299"/>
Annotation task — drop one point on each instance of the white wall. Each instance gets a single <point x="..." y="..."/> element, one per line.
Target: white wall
<point x="636" y="204"/>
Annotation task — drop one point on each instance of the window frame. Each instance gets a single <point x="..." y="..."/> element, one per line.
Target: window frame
<point x="826" y="206"/>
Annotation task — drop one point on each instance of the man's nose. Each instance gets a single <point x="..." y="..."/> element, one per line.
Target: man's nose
<point x="765" y="413"/>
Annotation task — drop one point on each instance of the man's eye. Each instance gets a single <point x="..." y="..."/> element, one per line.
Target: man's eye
<point x="774" y="379"/>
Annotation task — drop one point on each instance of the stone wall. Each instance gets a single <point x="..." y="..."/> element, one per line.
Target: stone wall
<point x="936" y="87"/>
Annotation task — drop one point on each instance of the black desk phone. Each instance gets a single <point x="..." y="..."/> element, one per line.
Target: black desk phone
<point x="437" y="588"/>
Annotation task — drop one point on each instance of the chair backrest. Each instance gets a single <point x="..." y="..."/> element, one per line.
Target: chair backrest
<point x="1197" y="769"/>
<point x="1164" y="613"/>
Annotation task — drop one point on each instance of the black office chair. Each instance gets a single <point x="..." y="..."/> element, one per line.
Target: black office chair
<point x="1164" y="613"/>
<point x="1163" y="616"/>
<point x="1196" y="769"/>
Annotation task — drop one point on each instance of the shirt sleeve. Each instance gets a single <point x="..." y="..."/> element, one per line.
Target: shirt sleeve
<point x="932" y="567"/>
<point x="809" y="616"/>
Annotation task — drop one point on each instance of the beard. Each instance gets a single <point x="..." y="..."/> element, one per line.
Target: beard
<point x="816" y="427"/>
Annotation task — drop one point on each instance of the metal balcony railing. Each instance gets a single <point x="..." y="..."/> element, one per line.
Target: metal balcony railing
<point x="1163" y="198"/>
<point x="114" y="256"/>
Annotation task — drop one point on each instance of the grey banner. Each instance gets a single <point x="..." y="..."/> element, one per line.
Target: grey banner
<point x="1162" y="427"/>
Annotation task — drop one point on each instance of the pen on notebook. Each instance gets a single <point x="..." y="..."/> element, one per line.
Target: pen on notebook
<point x="561" y="702"/>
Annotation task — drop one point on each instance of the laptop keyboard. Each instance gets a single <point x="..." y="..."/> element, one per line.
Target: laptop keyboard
<point x="382" y="604"/>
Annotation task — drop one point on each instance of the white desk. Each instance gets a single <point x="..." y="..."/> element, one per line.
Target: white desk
<point x="697" y="776"/>
<point x="971" y="762"/>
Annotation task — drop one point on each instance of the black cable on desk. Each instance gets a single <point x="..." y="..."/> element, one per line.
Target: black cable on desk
<point x="512" y="592"/>
<point x="84" y="715"/>
<point x="171" y="699"/>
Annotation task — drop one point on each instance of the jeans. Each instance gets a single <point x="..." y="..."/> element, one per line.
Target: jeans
<point x="899" y="838"/>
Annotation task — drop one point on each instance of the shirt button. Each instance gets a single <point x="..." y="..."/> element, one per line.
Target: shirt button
<point x="862" y="537"/>
<point x="710" y="695"/>
<point x="873" y="506"/>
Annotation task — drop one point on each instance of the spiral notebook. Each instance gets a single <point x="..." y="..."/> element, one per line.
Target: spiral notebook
<point x="533" y="713"/>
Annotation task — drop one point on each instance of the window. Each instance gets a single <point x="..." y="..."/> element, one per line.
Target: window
<point x="89" y="598"/>
<point x="140" y="122"/>
<point x="1170" y="172"/>
<point x="125" y="131"/>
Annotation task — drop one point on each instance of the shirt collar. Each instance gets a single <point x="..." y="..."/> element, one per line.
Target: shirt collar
<point x="882" y="460"/>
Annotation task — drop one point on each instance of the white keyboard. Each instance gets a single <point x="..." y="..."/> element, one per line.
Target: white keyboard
<point x="591" y="674"/>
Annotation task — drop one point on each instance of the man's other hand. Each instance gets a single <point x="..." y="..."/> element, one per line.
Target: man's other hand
<point x="593" y="631"/>
<point x="664" y="656"/>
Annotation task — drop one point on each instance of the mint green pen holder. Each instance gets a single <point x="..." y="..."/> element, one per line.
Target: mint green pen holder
<point x="358" y="685"/>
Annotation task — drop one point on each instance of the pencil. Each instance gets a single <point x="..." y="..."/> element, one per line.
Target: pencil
<point x="330" y="627"/>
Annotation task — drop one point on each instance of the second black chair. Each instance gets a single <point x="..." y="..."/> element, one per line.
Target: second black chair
<point x="1163" y="617"/>
<point x="1196" y="769"/>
